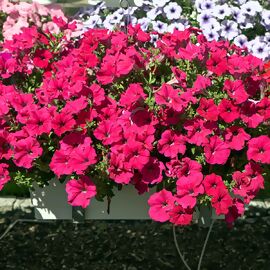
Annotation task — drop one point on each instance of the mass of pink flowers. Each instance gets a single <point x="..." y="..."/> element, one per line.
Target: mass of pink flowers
<point x="186" y="117"/>
<point x="18" y="15"/>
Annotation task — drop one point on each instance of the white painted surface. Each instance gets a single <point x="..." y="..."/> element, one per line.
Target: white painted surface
<point x="51" y="203"/>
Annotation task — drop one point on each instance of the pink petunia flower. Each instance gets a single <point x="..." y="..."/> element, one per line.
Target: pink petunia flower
<point x="221" y="201"/>
<point x="39" y="122"/>
<point x="4" y="175"/>
<point x="160" y="204"/>
<point x="26" y="151"/>
<point x="169" y="96"/>
<point x="236" y="91"/>
<point x="171" y="144"/>
<point x="62" y="122"/>
<point x="132" y="96"/>
<point x="180" y="215"/>
<point x="82" y="157"/>
<point x="183" y="168"/>
<point x="235" y="137"/>
<point x="60" y="163"/>
<point x="212" y="182"/>
<point x="152" y="171"/>
<point x="136" y="154"/>
<point x="216" y="151"/>
<point x="80" y="191"/>
<point x="227" y="111"/>
<point x="208" y="109"/>
<point x="108" y="132"/>
<point x="188" y="188"/>
<point x="259" y="149"/>
<point x="236" y="210"/>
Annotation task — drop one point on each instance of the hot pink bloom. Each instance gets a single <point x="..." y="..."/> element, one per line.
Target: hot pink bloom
<point x="201" y="84"/>
<point x="211" y="183"/>
<point x="62" y="122"/>
<point x="216" y="151"/>
<point x="39" y="122"/>
<point x="5" y="147"/>
<point x="188" y="188"/>
<point x="114" y="66"/>
<point x="259" y="149"/>
<point x="75" y="106"/>
<point x="236" y="91"/>
<point x="81" y="191"/>
<point x="4" y="175"/>
<point x="82" y="157"/>
<point x="132" y="96"/>
<point x="60" y="163"/>
<point x="41" y="58"/>
<point x="198" y="130"/>
<point x="119" y="170"/>
<point x="208" y="109"/>
<point x="171" y="144"/>
<point x="227" y="111"/>
<point x="160" y="204"/>
<point x="250" y="114"/>
<point x="152" y="171"/>
<point x="235" y="137"/>
<point x="136" y="154"/>
<point x="180" y="76"/>
<point x="181" y="216"/>
<point x="184" y="167"/>
<point x="26" y="151"/>
<point x="221" y="201"/>
<point x="218" y="62"/>
<point x="235" y="211"/>
<point x="169" y="96"/>
<point x="108" y="132"/>
<point x="249" y="182"/>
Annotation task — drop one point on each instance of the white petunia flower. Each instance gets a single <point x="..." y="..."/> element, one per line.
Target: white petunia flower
<point x="153" y="13"/>
<point x="241" y="41"/>
<point x="144" y="23"/>
<point x="160" y="3"/>
<point x="160" y="27"/>
<point x="204" y="5"/>
<point x="247" y="24"/>
<point x="92" y="21"/>
<point x="240" y="2"/>
<point x="221" y="11"/>
<point x="211" y="35"/>
<point x="112" y="20"/>
<point x="178" y="26"/>
<point x="260" y="50"/>
<point x="266" y="16"/>
<point x="154" y="39"/>
<point x="213" y="25"/>
<point x="251" y="8"/>
<point x="229" y="29"/>
<point x="267" y="38"/>
<point x="173" y="11"/>
<point x="204" y="18"/>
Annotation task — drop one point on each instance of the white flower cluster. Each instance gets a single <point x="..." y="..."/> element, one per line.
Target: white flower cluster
<point x="246" y="23"/>
<point x="239" y="21"/>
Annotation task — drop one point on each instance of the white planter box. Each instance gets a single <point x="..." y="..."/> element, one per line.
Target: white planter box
<point x="51" y="203"/>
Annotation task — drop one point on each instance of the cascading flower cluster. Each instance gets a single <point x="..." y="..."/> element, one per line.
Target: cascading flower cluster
<point x="187" y="116"/>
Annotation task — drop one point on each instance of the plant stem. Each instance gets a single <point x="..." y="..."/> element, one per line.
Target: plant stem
<point x="178" y="249"/>
<point x="205" y="243"/>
